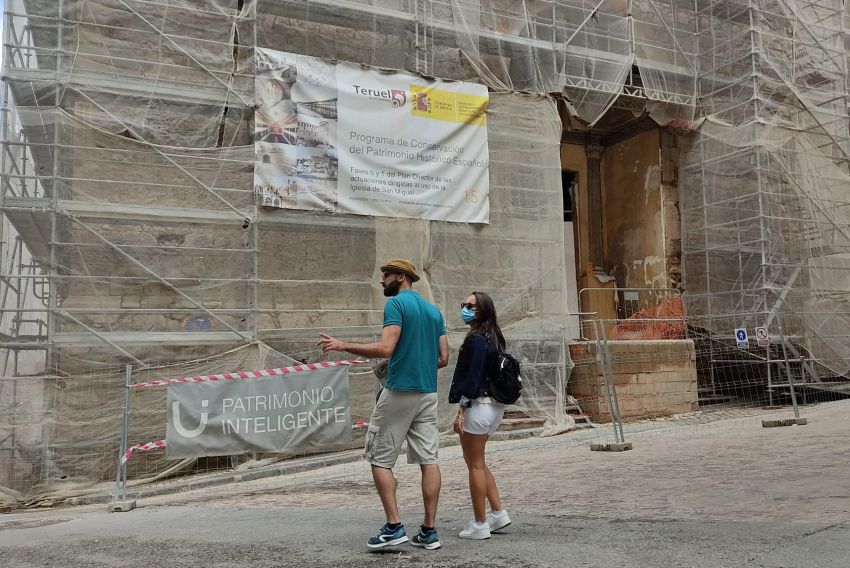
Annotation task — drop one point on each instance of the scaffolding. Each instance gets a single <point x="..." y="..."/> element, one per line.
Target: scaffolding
<point x="127" y="180"/>
<point x="130" y="233"/>
<point x="765" y="204"/>
<point x="77" y="73"/>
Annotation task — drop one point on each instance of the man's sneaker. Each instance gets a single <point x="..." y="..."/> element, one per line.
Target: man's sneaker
<point x="498" y="520"/>
<point x="388" y="537"/>
<point x="476" y="531"/>
<point x="427" y="540"/>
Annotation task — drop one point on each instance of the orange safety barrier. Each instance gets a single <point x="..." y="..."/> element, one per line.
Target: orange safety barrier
<point x="665" y="321"/>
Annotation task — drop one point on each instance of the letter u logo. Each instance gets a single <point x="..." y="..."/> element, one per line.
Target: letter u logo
<point x="178" y="424"/>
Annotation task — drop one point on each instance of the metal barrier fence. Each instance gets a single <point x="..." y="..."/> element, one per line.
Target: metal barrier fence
<point x="633" y="313"/>
<point x="60" y="435"/>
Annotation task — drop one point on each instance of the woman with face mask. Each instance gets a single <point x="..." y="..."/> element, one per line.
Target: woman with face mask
<point x="478" y="415"/>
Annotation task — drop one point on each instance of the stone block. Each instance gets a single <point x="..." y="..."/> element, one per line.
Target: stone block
<point x="611" y="447"/>
<point x="131" y="301"/>
<point x="587" y="386"/>
<point x="671" y="400"/>
<point x="680" y="375"/>
<point x="648" y="386"/>
<point x="681" y="368"/>
<point x="646" y="378"/>
<point x="784" y="422"/>
<point x="121" y="506"/>
<point x="92" y="302"/>
<point x="652" y="366"/>
<point x="579" y="349"/>
<point x="622" y="379"/>
<point x="625" y="391"/>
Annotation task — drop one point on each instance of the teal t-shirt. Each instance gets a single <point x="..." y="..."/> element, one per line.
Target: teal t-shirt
<point x="413" y="364"/>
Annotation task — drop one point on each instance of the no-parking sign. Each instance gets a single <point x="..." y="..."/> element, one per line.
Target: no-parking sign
<point x="762" y="337"/>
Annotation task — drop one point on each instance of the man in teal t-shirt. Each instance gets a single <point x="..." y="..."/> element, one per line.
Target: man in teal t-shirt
<point x="414" y="340"/>
<point x="413" y="364"/>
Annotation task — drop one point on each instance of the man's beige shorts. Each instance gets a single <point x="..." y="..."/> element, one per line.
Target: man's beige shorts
<point x="400" y="416"/>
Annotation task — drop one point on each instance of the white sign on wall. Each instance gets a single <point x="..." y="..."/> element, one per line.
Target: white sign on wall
<point x="351" y="139"/>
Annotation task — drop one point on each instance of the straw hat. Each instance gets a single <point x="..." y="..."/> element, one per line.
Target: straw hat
<point x="402" y="266"/>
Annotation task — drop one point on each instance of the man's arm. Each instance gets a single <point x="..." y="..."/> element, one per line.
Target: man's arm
<point x="443" y="360"/>
<point x="382" y="349"/>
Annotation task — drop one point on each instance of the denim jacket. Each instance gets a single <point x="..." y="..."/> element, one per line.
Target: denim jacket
<point x="470" y="378"/>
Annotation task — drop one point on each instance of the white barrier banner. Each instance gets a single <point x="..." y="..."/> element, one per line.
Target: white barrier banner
<point x="346" y="138"/>
<point x="264" y="414"/>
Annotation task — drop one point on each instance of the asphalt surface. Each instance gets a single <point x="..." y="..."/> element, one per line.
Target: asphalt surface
<point x="726" y="494"/>
<point x="181" y="536"/>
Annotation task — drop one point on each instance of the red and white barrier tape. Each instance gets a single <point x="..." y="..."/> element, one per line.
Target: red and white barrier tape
<point x="247" y="374"/>
<point x="158" y="445"/>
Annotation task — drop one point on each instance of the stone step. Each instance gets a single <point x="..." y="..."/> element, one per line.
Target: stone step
<point x="521" y="423"/>
<point x="513" y="412"/>
<point x="503" y="436"/>
<point x="716" y="398"/>
<point x="573" y="411"/>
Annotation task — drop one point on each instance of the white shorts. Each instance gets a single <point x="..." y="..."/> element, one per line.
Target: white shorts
<point x="483" y="418"/>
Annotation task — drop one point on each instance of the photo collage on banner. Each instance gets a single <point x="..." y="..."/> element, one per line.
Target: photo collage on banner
<point x="295" y="132"/>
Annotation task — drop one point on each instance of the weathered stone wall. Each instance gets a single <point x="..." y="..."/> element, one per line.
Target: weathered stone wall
<point x="652" y="378"/>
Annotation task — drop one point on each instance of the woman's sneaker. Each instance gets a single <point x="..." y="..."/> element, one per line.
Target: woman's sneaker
<point x="388" y="537"/>
<point x="427" y="540"/>
<point x="498" y="520"/>
<point x="476" y="531"/>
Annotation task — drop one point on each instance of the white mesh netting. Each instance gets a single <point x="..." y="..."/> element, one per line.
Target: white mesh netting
<point x="134" y="196"/>
<point x="131" y="233"/>
<point x="764" y="207"/>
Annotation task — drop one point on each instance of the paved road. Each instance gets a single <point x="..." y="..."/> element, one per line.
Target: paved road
<point x="730" y="494"/>
<point x="175" y="536"/>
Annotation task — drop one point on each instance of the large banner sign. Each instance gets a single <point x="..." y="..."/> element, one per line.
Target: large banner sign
<point x="346" y="138"/>
<point x="266" y="414"/>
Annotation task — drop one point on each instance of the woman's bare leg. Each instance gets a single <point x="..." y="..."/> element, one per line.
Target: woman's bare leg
<point x="473" y="453"/>
<point x="492" y="491"/>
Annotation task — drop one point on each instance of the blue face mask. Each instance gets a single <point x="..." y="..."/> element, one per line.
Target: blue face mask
<point x="467" y="315"/>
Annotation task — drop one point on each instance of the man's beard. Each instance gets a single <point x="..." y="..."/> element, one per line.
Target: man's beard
<point x="392" y="288"/>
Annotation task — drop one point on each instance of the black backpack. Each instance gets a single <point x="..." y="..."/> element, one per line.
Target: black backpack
<point x="504" y="378"/>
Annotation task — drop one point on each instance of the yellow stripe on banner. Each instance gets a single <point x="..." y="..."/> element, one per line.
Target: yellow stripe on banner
<point x="437" y="104"/>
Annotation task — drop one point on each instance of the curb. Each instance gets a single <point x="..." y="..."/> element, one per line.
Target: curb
<point x="188" y="484"/>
